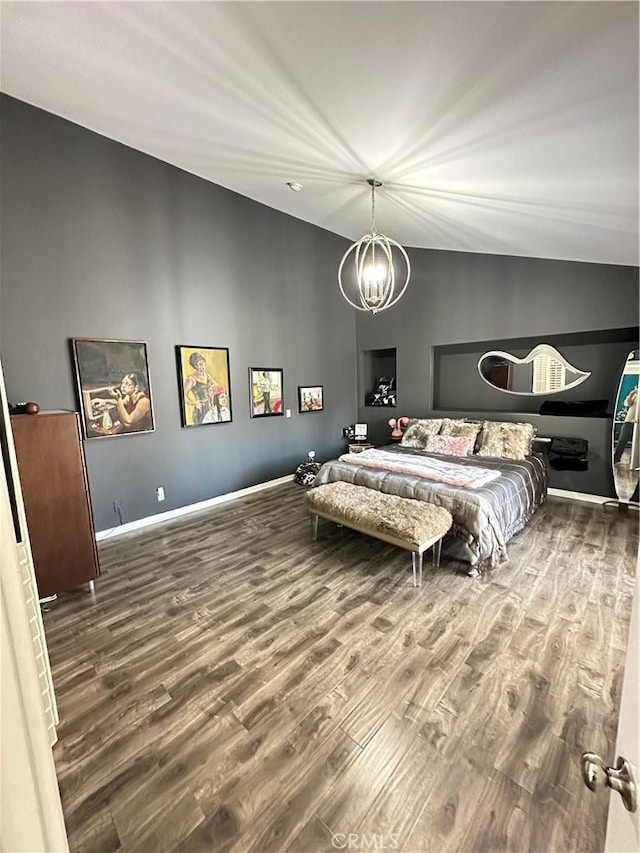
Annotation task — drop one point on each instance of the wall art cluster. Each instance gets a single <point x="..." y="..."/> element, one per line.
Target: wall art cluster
<point x="114" y="387"/>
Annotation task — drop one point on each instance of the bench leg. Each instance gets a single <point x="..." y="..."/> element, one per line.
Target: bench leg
<point x="416" y="562"/>
<point x="437" y="548"/>
<point x="314" y="527"/>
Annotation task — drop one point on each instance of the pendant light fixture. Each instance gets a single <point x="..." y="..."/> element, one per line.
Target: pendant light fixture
<point x="374" y="272"/>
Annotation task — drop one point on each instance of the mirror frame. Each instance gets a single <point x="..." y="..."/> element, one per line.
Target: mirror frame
<point x="537" y="350"/>
<point x="625" y="499"/>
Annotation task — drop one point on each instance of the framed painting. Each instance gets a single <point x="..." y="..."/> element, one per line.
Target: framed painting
<point x="114" y="391"/>
<point x="265" y="389"/>
<point x="205" y="393"/>
<point x="310" y="398"/>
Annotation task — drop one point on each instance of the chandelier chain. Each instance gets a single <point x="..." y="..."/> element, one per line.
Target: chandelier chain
<point x="374" y="230"/>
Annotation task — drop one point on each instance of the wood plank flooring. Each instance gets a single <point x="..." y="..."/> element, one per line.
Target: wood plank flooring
<point x="233" y="686"/>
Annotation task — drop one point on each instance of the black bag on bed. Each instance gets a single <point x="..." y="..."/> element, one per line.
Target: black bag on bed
<point x="568" y="454"/>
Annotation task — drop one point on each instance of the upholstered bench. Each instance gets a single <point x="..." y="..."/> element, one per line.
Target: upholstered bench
<point x="413" y="525"/>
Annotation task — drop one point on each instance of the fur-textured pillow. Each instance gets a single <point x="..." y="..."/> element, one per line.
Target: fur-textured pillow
<point x="506" y="440"/>
<point x="452" y="445"/>
<point x="453" y="426"/>
<point x="418" y="430"/>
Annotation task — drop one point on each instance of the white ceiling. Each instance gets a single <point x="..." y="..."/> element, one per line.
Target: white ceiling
<point x="509" y="128"/>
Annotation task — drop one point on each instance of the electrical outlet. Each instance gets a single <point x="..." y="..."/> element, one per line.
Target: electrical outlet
<point x="160" y="493"/>
<point x="288" y="413"/>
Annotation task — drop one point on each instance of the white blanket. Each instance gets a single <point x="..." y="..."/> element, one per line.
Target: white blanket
<point x="423" y="466"/>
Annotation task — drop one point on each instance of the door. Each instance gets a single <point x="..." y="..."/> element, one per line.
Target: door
<point x="623" y="827"/>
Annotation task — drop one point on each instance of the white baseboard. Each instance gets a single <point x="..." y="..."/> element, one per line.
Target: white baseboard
<point x="186" y="510"/>
<point x="578" y="496"/>
<point x="161" y="517"/>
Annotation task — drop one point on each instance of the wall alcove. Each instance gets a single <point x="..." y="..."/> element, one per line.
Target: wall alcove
<point x="458" y="385"/>
<point x="374" y="364"/>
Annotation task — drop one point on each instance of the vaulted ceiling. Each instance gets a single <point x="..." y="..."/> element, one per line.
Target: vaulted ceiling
<point x="506" y="127"/>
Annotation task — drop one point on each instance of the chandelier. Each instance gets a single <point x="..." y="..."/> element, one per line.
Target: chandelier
<point x="374" y="272"/>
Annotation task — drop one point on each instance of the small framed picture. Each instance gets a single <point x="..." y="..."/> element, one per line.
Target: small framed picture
<point x="204" y="389"/>
<point x="265" y="389"/>
<point x="310" y="398"/>
<point x="114" y="392"/>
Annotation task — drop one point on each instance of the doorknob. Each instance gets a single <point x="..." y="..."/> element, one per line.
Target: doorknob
<point x="619" y="778"/>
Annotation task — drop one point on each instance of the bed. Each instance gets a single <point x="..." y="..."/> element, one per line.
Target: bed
<point x="486" y="513"/>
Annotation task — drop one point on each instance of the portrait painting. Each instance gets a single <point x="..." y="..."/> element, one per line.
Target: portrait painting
<point x="310" y="398"/>
<point x="265" y="389"/>
<point x="112" y="378"/>
<point x="204" y="386"/>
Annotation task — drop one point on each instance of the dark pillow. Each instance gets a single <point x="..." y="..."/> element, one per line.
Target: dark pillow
<point x="579" y="408"/>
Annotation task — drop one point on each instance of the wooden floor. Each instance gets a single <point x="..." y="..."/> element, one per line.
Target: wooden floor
<point x="234" y="686"/>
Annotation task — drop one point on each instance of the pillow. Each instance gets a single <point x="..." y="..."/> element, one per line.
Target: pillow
<point x="469" y="429"/>
<point x="418" y="431"/>
<point x="506" y="440"/>
<point x="452" y="445"/>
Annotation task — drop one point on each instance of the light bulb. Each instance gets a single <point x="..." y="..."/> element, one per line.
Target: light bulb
<point x="374" y="275"/>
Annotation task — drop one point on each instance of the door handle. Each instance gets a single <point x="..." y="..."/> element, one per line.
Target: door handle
<point x="619" y="778"/>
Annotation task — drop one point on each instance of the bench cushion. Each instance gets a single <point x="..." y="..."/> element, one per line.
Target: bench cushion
<point x="404" y="518"/>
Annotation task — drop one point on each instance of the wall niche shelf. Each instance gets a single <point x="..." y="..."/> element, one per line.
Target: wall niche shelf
<point x="458" y="385"/>
<point x="375" y="364"/>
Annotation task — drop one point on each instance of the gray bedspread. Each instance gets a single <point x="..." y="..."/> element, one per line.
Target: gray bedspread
<point x="484" y="518"/>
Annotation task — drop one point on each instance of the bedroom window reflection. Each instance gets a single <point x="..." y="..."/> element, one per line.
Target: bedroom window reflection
<point x="548" y="374"/>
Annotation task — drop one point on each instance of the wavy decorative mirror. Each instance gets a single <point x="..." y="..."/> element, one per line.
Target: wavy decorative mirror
<point x="543" y="371"/>
<point x="626" y="433"/>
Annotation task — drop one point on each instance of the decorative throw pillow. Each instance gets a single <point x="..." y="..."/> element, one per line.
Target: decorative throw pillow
<point x="506" y="440"/>
<point x="418" y="430"/>
<point x="452" y="445"/>
<point x="452" y="426"/>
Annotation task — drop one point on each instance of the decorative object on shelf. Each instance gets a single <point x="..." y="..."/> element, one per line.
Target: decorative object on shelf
<point x="23" y="408"/>
<point x="112" y="378"/>
<point x="374" y="272"/>
<point x="397" y="425"/>
<point x="360" y="432"/>
<point x="355" y="432"/>
<point x="205" y="393"/>
<point x="310" y="398"/>
<point x="542" y="371"/>
<point x="306" y="472"/>
<point x="384" y="394"/>
<point x="265" y="388"/>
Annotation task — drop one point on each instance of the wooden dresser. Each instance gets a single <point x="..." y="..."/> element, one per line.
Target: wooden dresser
<point x="56" y="499"/>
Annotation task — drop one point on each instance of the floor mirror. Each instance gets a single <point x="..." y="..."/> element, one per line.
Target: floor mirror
<point x="625" y="440"/>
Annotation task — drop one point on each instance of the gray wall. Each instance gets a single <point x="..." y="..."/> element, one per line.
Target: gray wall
<point x="458" y="298"/>
<point x="102" y="241"/>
